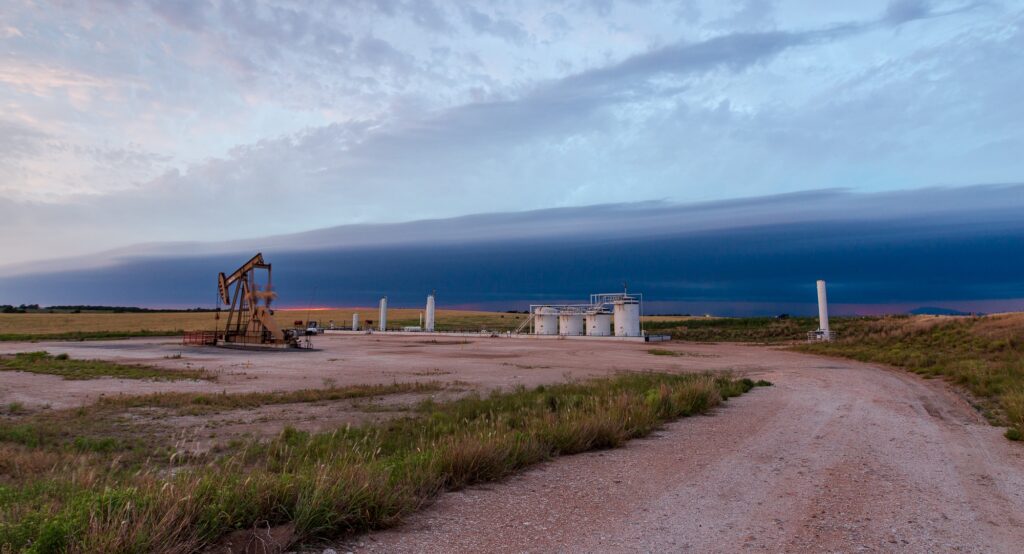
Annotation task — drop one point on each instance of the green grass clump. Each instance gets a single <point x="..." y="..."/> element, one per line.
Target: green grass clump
<point x="663" y="352"/>
<point x="193" y="403"/>
<point x="68" y="368"/>
<point x="329" y="484"/>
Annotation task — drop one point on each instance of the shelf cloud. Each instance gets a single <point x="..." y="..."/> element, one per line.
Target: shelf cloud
<point x="949" y="247"/>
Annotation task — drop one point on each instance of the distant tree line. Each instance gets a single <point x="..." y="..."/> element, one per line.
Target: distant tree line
<point x="9" y="309"/>
<point x="25" y="308"/>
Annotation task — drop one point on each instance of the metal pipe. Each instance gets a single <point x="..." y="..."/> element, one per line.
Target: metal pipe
<point x="823" y="310"/>
<point x="430" y="314"/>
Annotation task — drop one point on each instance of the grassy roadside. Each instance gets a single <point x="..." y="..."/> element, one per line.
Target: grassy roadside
<point x="985" y="355"/>
<point x="324" y="485"/>
<point x="71" y="369"/>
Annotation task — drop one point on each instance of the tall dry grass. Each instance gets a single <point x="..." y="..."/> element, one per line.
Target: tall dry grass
<point x="324" y="485"/>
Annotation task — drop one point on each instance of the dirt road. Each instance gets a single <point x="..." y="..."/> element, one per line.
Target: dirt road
<point x="484" y="363"/>
<point x="837" y="457"/>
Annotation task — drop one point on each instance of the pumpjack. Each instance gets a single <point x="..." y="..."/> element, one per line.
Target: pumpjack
<point x="250" y="321"/>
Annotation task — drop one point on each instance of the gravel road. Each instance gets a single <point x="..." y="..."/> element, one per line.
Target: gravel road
<point x="838" y="456"/>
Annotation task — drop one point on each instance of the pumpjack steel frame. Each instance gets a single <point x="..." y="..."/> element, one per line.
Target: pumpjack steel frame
<point x="250" y="321"/>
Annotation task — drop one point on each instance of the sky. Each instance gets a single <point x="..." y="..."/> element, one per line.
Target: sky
<point x="127" y="122"/>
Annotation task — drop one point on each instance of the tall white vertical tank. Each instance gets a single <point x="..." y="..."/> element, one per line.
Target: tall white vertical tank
<point x="627" y="317"/>
<point x="599" y="324"/>
<point x="383" y="313"/>
<point x="545" y="321"/>
<point x="355" y="321"/>
<point x="429" y="326"/>
<point x="823" y="310"/>
<point x="570" y="324"/>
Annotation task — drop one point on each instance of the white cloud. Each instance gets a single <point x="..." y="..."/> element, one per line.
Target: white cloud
<point x="143" y="123"/>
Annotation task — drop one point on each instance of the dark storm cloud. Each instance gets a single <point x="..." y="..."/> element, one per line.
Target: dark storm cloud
<point x="760" y="255"/>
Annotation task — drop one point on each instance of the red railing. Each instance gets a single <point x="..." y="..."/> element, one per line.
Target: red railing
<point x="203" y="338"/>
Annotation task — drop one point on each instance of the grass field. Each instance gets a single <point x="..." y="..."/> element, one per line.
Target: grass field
<point x="90" y="495"/>
<point x="109" y="325"/>
<point x="70" y="326"/>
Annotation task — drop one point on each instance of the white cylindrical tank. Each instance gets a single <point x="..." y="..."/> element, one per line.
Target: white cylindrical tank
<point x="384" y="313"/>
<point x="545" y="321"/>
<point x="355" y="321"/>
<point x="823" y="310"/>
<point x="599" y="324"/>
<point x="627" y="317"/>
<point x="570" y="324"/>
<point x="429" y="326"/>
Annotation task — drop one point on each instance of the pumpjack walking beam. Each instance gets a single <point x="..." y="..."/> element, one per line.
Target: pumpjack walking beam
<point x="249" y="318"/>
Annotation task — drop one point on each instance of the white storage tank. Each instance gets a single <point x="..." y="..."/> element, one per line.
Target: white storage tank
<point x="599" y="324"/>
<point x="570" y="325"/>
<point x="545" y="321"/>
<point x="355" y="322"/>
<point x="384" y="314"/>
<point x="627" y="317"/>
